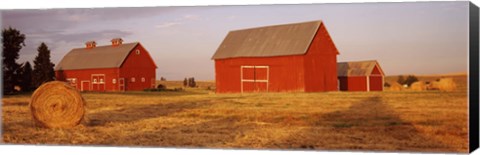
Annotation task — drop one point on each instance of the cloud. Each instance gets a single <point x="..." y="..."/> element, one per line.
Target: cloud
<point x="183" y="19"/>
<point x="191" y="17"/>
<point x="167" y="25"/>
<point x="56" y="38"/>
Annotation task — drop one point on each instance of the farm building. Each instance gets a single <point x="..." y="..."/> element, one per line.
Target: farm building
<point x="115" y="67"/>
<point x="290" y="57"/>
<point x="360" y="76"/>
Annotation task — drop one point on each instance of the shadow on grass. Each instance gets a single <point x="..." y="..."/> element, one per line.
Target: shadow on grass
<point x="15" y="104"/>
<point x="136" y="112"/>
<point x="367" y="125"/>
<point x="150" y="93"/>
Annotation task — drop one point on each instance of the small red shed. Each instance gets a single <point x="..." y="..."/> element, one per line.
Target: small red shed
<point x="115" y="67"/>
<point x="360" y="76"/>
<point x="290" y="57"/>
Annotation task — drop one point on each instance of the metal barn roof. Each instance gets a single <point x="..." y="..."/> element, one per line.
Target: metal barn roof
<point x="356" y="68"/>
<point x="277" y="40"/>
<point x="98" y="57"/>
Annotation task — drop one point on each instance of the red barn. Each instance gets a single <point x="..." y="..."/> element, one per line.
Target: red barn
<point x="360" y="76"/>
<point x="290" y="57"/>
<point x="115" y="67"/>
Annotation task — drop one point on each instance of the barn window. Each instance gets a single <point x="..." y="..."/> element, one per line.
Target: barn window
<point x="143" y="79"/>
<point x="114" y="81"/>
<point x="71" y="80"/>
<point x="133" y="79"/>
<point x="94" y="80"/>
<point x="101" y="80"/>
<point x="137" y="52"/>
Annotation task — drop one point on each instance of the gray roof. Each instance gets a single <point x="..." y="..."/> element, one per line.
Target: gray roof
<point x="98" y="57"/>
<point x="277" y="40"/>
<point x="357" y="68"/>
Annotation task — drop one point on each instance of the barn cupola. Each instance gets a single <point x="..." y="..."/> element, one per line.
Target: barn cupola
<point x="116" y="41"/>
<point x="91" y="44"/>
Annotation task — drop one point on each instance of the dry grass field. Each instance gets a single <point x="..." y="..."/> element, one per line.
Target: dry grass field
<point x="429" y="121"/>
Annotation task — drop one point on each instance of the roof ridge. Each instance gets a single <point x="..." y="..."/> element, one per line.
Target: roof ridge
<point x="277" y="25"/>
<point x="108" y="45"/>
<point x="98" y="57"/>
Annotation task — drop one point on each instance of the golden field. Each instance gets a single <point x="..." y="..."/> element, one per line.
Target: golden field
<point x="430" y="121"/>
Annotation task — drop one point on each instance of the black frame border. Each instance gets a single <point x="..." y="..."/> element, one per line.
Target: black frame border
<point x="473" y="78"/>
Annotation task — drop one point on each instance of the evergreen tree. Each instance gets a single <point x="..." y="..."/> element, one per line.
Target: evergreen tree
<point x="191" y="82"/>
<point x="43" y="67"/>
<point x="185" y="82"/>
<point x="26" y="78"/>
<point x="12" y="41"/>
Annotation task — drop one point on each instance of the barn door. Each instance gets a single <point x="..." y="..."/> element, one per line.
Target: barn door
<point x="98" y="82"/>
<point x="121" y="84"/>
<point x="254" y="78"/>
<point x="85" y="85"/>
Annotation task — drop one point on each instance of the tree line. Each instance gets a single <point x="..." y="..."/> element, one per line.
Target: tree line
<point x="23" y="75"/>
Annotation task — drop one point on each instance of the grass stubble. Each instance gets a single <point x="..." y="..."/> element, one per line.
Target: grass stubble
<point x="423" y="121"/>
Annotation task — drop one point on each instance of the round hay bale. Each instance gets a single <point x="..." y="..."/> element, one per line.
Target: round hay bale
<point x="418" y="86"/>
<point x="57" y="105"/>
<point x="446" y="84"/>
<point x="395" y="86"/>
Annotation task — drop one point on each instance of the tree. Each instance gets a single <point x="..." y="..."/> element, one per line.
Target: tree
<point x="43" y="67"/>
<point x="191" y="82"/>
<point x="185" y="82"/>
<point x="410" y="79"/>
<point x="26" y="77"/>
<point x="12" y="41"/>
<point x="401" y="80"/>
<point x="386" y="84"/>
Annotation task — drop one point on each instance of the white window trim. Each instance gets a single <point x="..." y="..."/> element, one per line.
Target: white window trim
<point x="121" y="84"/>
<point x="253" y="80"/>
<point x="89" y="85"/>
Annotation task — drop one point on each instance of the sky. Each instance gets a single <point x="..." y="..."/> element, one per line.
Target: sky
<point x="405" y="38"/>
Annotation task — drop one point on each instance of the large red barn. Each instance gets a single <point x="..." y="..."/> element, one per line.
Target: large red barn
<point x="290" y="57"/>
<point x="360" y="76"/>
<point x="115" y="67"/>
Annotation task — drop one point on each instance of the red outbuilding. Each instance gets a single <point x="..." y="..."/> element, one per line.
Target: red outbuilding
<point x="291" y="57"/>
<point x="360" y="76"/>
<point x="115" y="67"/>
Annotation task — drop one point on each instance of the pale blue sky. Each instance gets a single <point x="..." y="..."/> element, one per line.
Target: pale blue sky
<point x="406" y="38"/>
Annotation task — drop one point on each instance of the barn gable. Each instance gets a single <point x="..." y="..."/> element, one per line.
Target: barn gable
<point x="107" y="56"/>
<point x="278" y="40"/>
<point x="139" y="62"/>
<point x="358" y="68"/>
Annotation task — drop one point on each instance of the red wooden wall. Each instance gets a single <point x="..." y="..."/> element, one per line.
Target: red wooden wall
<point x="321" y="63"/>
<point x="138" y="66"/>
<point x="353" y="83"/>
<point x="376" y="80"/>
<point x="86" y="75"/>
<point x="286" y="73"/>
